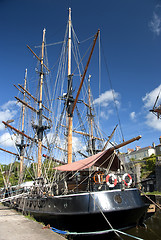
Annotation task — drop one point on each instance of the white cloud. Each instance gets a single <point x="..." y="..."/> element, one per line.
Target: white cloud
<point x="7" y="112"/>
<point x="106" y="101"/>
<point x="153" y="121"/>
<point x="8" y="104"/>
<point x="155" y="24"/>
<point x="106" y="98"/>
<point x="106" y="114"/>
<point x="49" y="137"/>
<point x="77" y="144"/>
<point x="6" y="115"/>
<point x="133" y="115"/>
<point x="7" y="140"/>
<point x="150" y="98"/>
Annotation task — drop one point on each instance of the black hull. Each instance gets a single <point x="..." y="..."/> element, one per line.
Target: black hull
<point x="83" y="212"/>
<point x="94" y="222"/>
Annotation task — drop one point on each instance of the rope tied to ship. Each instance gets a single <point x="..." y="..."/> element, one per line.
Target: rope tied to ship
<point x="106" y="218"/>
<point x="158" y="206"/>
<point x="91" y="233"/>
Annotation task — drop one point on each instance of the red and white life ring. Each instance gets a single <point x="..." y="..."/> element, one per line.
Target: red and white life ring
<point x="130" y="179"/>
<point x="113" y="178"/>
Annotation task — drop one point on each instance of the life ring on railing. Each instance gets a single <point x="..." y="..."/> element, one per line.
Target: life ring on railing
<point x="130" y="179"/>
<point x="113" y="178"/>
<point x="98" y="177"/>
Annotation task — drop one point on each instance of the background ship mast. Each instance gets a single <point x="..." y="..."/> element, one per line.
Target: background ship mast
<point x="40" y="128"/>
<point x="22" y="145"/>
<point x="156" y="110"/>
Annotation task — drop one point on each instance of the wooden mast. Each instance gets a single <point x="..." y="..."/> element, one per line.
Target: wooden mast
<point x="90" y="116"/>
<point x="90" y="109"/>
<point x="40" y="127"/>
<point x="70" y="116"/>
<point x="22" y="146"/>
<point x="71" y="102"/>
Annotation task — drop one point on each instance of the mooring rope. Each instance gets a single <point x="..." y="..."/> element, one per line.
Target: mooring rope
<point x="93" y="233"/>
<point x="150" y="199"/>
<point x="106" y="218"/>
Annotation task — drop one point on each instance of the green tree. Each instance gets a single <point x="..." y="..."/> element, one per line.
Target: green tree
<point x="150" y="163"/>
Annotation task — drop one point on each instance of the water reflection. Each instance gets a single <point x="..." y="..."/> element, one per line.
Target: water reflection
<point x="151" y="232"/>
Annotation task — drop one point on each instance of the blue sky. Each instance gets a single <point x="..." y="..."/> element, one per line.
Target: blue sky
<point x="131" y="40"/>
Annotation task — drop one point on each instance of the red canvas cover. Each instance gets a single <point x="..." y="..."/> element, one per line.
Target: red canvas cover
<point x="101" y="159"/>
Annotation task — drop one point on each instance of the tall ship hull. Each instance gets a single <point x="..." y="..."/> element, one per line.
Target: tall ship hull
<point x="96" y="211"/>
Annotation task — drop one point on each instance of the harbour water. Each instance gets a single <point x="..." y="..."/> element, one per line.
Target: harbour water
<point x="151" y="231"/>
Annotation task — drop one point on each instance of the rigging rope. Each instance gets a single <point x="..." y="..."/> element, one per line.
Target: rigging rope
<point x="49" y="44"/>
<point x="112" y="92"/>
<point x="81" y="59"/>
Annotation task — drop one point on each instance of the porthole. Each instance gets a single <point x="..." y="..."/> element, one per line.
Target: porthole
<point x="117" y="198"/>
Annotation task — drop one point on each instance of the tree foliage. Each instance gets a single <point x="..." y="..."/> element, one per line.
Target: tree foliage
<point x="10" y="172"/>
<point x="150" y="163"/>
<point x="148" y="166"/>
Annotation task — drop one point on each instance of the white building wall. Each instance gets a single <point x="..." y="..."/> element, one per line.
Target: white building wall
<point x="151" y="151"/>
<point x="142" y="153"/>
<point x="137" y="155"/>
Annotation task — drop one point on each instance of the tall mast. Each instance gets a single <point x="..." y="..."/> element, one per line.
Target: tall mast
<point x="71" y="102"/>
<point x="90" y="117"/>
<point x="70" y="97"/>
<point x="22" y="145"/>
<point x="90" y="109"/>
<point x="69" y="43"/>
<point x="40" y="126"/>
<point x="23" y="107"/>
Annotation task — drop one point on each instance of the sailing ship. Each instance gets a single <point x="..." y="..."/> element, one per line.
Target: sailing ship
<point x="156" y="110"/>
<point x="95" y="190"/>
